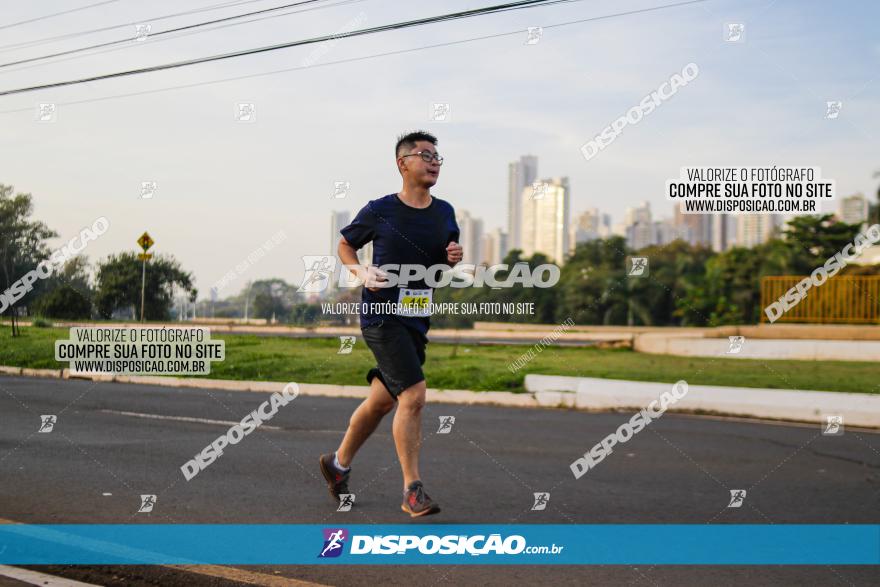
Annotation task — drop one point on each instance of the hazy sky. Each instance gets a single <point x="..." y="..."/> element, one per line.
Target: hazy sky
<point x="224" y="187"/>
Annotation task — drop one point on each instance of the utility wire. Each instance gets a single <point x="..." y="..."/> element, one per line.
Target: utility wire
<point x="361" y="58"/>
<point x="160" y="33"/>
<point x="191" y="32"/>
<point x="45" y="40"/>
<point x="367" y="31"/>
<point x="14" y="24"/>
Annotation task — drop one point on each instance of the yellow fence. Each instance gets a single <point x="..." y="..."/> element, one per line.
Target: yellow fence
<point x="843" y="299"/>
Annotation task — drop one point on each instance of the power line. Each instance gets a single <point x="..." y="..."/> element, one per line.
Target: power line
<point x="361" y="58"/>
<point x="45" y="40"/>
<point x="14" y="24"/>
<point x="193" y="32"/>
<point x="372" y="30"/>
<point x="160" y="33"/>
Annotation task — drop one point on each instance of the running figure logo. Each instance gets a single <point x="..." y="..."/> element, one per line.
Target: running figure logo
<point x="439" y="111"/>
<point x="142" y="31"/>
<point x="446" y="423"/>
<point x="735" y="344"/>
<point x="148" y="189"/>
<point x="47" y="423"/>
<point x="833" y="426"/>
<point x="541" y="500"/>
<point x="319" y="270"/>
<point x="832" y="109"/>
<point x="735" y="32"/>
<point x="638" y="266"/>
<point x="737" y="496"/>
<point x="539" y="190"/>
<point x="346" y="344"/>
<point x="534" y="35"/>
<point x="346" y="500"/>
<point x="246" y="112"/>
<point x="147" y="503"/>
<point x="47" y="112"/>
<point x="334" y="542"/>
<point x="340" y="189"/>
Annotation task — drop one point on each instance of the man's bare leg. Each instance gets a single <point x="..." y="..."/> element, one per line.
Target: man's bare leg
<point x="364" y="421"/>
<point x="407" y="430"/>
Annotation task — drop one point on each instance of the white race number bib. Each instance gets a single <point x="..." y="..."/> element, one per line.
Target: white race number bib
<point x="414" y="302"/>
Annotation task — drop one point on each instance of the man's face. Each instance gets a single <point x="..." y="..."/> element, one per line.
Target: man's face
<point x="415" y="168"/>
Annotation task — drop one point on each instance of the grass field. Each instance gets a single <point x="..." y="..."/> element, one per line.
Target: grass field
<point x="479" y="368"/>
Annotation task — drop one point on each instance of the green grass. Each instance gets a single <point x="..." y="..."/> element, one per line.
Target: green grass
<point x="480" y="368"/>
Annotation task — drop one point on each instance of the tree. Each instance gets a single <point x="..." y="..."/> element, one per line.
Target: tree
<point x="814" y="239"/>
<point x="65" y="302"/>
<point x="272" y="298"/>
<point x="69" y="293"/>
<point x="119" y="285"/>
<point x="22" y="243"/>
<point x="593" y="283"/>
<point x="674" y="269"/>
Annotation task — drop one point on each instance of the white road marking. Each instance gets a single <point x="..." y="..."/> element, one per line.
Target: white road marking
<point x="185" y="419"/>
<point x="35" y="578"/>
<point x="231" y="573"/>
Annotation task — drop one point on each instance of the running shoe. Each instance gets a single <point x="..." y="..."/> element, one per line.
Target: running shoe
<point x="337" y="481"/>
<point x="418" y="503"/>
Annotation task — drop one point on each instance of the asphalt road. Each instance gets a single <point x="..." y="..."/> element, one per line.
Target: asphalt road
<point x="125" y="440"/>
<point x="444" y="338"/>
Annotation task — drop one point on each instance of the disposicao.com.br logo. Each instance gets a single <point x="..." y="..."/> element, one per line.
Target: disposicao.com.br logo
<point x="334" y="540"/>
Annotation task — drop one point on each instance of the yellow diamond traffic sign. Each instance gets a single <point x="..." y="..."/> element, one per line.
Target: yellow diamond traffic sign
<point x="145" y="242"/>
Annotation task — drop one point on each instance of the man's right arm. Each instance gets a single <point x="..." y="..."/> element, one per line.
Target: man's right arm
<point x="348" y="255"/>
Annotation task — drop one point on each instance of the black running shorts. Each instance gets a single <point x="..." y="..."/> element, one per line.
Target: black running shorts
<point x="399" y="352"/>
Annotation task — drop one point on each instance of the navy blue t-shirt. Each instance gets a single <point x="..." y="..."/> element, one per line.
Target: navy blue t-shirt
<point x="401" y="234"/>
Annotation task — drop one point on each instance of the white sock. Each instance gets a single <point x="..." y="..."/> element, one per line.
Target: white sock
<point x="337" y="465"/>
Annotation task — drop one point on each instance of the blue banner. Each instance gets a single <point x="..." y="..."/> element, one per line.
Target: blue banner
<point x="522" y="544"/>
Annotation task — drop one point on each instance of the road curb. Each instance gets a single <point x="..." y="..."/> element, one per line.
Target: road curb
<point x="590" y="393"/>
<point x="446" y="396"/>
<point x="554" y="391"/>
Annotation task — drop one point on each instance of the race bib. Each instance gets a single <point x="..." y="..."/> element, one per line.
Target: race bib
<point x="414" y="302"/>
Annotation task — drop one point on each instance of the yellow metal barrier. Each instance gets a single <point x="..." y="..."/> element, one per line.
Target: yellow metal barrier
<point x="843" y="299"/>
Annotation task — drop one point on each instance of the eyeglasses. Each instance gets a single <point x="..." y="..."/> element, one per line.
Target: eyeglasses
<point x="427" y="156"/>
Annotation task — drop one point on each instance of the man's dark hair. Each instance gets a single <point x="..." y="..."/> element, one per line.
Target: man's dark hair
<point x="408" y="141"/>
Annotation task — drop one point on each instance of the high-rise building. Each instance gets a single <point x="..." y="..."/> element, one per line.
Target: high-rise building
<point x="723" y="232"/>
<point x="338" y="221"/>
<point x="545" y="219"/>
<point x="755" y="229"/>
<point x="470" y="237"/>
<point x="494" y="247"/>
<point x="590" y="225"/>
<point x="853" y="209"/>
<point x="640" y="235"/>
<point x="696" y="229"/>
<point x="487" y="249"/>
<point x="520" y="174"/>
<point x="639" y="226"/>
<point x="665" y="232"/>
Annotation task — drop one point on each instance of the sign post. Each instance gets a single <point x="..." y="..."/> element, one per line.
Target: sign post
<point x="145" y="243"/>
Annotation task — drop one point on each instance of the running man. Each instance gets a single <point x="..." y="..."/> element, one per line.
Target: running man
<point x="409" y="227"/>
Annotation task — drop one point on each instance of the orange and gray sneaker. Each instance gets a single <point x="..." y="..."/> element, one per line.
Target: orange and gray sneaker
<point x="417" y="503"/>
<point x="337" y="481"/>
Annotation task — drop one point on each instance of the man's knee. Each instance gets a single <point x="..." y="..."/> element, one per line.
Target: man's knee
<point x="413" y="397"/>
<point x="383" y="407"/>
